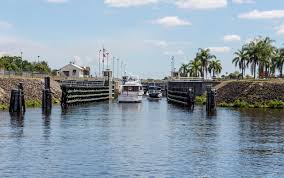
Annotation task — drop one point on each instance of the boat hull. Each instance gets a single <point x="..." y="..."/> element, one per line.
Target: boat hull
<point x="155" y="95"/>
<point x="129" y="99"/>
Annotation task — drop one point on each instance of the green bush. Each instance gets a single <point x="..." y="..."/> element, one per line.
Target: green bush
<point x="4" y="107"/>
<point x="275" y="104"/>
<point x="200" y="100"/>
<point x="240" y="104"/>
<point x="33" y="103"/>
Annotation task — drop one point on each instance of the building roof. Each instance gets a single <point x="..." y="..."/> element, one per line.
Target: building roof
<point x="74" y="65"/>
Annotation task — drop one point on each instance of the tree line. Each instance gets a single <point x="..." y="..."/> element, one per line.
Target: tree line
<point x="17" y="64"/>
<point x="262" y="57"/>
<point x="203" y="63"/>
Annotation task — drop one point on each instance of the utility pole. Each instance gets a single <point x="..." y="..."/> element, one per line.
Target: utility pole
<point x="125" y="69"/>
<point x="107" y="59"/>
<point x="100" y="62"/>
<point x="121" y="69"/>
<point x="173" y="64"/>
<point x="22" y="60"/>
<point x="117" y="72"/>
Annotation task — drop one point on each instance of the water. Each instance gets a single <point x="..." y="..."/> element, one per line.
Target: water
<point x="152" y="139"/>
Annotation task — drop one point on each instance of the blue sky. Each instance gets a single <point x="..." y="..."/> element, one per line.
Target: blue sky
<point x="142" y="33"/>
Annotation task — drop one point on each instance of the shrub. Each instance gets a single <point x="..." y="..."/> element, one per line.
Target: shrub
<point x="200" y="100"/>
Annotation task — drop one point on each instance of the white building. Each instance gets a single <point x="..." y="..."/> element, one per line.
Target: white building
<point x="75" y="71"/>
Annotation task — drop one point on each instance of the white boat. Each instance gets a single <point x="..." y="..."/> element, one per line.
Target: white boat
<point x="131" y="92"/>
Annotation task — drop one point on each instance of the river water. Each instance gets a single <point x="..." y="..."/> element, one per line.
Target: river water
<point x="151" y="139"/>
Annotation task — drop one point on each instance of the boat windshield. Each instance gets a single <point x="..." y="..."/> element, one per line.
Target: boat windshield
<point x="131" y="88"/>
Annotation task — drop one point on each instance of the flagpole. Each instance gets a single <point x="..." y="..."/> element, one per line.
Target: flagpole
<point x="100" y="62"/>
<point x="103" y="58"/>
<point x="121" y="68"/>
<point x="107" y="59"/>
<point x="113" y="66"/>
<point x="117" y="72"/>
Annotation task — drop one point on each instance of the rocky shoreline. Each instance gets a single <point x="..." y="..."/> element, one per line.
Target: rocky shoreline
<point x="251" y="94"/>
<point x="32" y="89"/>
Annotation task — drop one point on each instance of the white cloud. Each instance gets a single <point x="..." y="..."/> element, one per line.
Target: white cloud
<point x="231" y="38"/>
<point x="201" y="4"/>
<point x="57" y="1"/>
<point x="129" y="3"/>
<point x="5" y="25"/>
<point x="178" y="52"/>
<point x="3" y="53"/>
<point x="280" y="30"/>
<point x="158" y="43"/>
<point x="171" y="21"/>
<point x="223" y="49"/>
<point x="256" y="14"/>
<point x="165" y="44"/>
<point x="243" y="1"/>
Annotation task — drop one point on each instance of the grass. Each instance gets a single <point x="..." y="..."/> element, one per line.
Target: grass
<point x="273" y="104"/>
<point x="30" y="104"/>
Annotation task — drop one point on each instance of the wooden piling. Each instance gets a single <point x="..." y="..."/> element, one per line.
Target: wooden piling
<point x="211" y="100"/>
<point x="46" y="96"/>
<point x="17" y="100"/>
<point x="191" y="99"/>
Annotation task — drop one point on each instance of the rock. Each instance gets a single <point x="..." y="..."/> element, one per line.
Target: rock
<point x="32" y="88"/>
<point x="250" y="91"/>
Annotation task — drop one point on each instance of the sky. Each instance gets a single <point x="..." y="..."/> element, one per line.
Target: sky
<point x="144" y="34"/>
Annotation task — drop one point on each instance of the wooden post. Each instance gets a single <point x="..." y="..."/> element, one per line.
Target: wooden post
<point x="23" y="104"/>
<point x="46" y="96"/>
<point x="211" y="100"/>
<point x="190" y="98"/>
<point x="17" y="100"/>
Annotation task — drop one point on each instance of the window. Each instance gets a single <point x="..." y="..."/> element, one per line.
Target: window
<point x="74" y="72"/>
<point x="66" y="73"/>
<point x="130" y="88"/>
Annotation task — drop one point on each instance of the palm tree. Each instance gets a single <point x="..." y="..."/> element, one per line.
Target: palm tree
<point x="195" y="68"/>
<point x="240" y="60"/>
<point x="184" y="69"/>
<point x="215" y="67"/>
<point x="278" y="60"/>
<point x="267" y="51"/>
<point x="204" y="56"/>
<point x="253" y="50"/>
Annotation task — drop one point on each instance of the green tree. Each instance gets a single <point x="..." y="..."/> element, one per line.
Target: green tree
<point x="204" y="56"/>
<point x="240" y="60"/>
<point x="278" y="60"/>
<point x="195" y="68"/>
<point x="215" y="67"/>
<point x="184" y="70"/>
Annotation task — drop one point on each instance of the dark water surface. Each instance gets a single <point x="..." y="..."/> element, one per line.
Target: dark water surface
<point x="152" y="139"/>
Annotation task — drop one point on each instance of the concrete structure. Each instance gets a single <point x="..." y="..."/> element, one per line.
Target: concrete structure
<point x="74" y="71"/>
<point x="199" y="86"/>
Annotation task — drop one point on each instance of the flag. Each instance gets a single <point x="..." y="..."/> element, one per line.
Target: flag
<point x="104" y="54"/>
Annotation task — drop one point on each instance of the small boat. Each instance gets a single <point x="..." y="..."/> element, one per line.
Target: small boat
<point x="155" y="92"/>
<point x="131" y="92"/>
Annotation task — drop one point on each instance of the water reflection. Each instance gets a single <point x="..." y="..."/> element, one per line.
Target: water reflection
<point x="17" y="120"/>
<point x="149" y="139"/>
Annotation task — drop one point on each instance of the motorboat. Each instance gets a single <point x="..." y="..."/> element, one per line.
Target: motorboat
<point x="131" y="91"/>
<point x="155" y="92"/>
